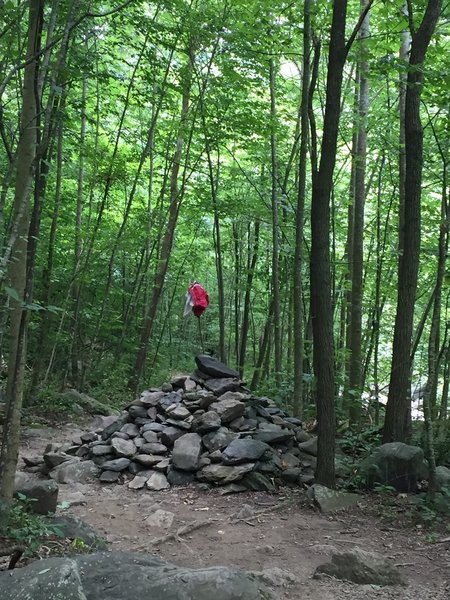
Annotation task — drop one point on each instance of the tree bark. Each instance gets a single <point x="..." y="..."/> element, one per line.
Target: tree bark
<point x="247" y="297"/>
<point x="398" y="407"/>
<point x="355" y="368"/>
<point x="18" y="263"/>
<point x="322" y="318"/>
<point x="300" y="217"/>
<point x="275" y="228"/>
<point x="167" y="242"/>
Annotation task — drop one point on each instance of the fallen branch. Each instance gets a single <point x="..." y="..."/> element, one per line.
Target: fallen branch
<point x="9" y="548"/>
<point x="260" y="513"/>
<point x="176" y="535"/>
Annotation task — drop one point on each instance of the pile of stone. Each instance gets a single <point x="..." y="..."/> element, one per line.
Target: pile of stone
<point x="204" y="427"/>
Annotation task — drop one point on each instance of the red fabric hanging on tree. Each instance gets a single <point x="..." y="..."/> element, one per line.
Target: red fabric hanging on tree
<point x="198" y="298"/>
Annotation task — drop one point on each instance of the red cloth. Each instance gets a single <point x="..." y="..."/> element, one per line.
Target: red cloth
<point x="199" y="297"/>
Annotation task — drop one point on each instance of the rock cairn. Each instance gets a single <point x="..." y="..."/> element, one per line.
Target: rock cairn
<point x="205" y="427"/>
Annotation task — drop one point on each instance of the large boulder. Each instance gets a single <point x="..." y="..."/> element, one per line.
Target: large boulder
<point x="395" y="464"/>
<point x="75" y="471"/>
<point x="117" y="575"/>
<point x="73" y="528"/>
<point x="90" y="405"/>
<point x="361" y="567"/>
<point x="328" y="500"/>
<point x="214" y="368"/>
<point x="43" y="493"/>
<point x="443" y="478"/>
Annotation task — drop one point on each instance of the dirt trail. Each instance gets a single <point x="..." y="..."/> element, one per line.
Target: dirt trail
<point x="294" y="538"/>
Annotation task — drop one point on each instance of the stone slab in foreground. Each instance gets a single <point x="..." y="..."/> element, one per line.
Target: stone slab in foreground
<point x="119" y="575"/>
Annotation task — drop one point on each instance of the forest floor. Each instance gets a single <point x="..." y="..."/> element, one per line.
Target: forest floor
<point x="288" y="534"/>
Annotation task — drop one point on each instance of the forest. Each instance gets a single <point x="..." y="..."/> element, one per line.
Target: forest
<point x="292" y="157"/>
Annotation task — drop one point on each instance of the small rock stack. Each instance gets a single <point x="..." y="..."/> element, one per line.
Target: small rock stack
<point x="204" y="427"/>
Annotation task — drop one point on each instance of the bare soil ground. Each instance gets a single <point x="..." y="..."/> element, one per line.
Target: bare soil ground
<point x="289" y="533"/>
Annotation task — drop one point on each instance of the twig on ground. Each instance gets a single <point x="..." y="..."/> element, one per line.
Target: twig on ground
<point x="176" y="535"/>
<point x="260" y="513"/>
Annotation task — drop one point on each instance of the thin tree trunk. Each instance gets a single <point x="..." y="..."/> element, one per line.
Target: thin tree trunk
<point x="300" y="217"/>
<point x="214" y="184"/>
<point x="75" y="354"/>
<point x="48" y="270"/>
<point x="257" y="373"/>
<point x="275" y="228"/>
<point x="167" y="242"/>
<point x="404" y="58"/>
<point x="247" y="297"/>
<point x="355" y="367"/>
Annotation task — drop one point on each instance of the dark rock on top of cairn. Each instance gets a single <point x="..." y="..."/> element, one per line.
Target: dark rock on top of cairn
<point x="209" y="430"/>
<point x="214" y="368"/>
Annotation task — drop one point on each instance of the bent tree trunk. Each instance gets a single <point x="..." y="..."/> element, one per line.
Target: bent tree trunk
<point x="397" y="408"/>
<point x="18" y="263"/>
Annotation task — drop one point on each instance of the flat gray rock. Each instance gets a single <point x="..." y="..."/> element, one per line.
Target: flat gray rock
<point x="309" y="446"/>
<point x="328" y="500"/>
<point x="213" y="367"/>
<point x="157" y="482"/>
<point x="207" y="422"/>
<point x="170" y="434"/>
<point x="225" y="474"/>
<point x="109" y="476"/>
<point x="220" y="386"/>
<point x="361" y="567"/>
<point x="187" y="451"/>
<point x="117" y="464"/>
<point x="273" y="434"/>
<point x="124" y="448"/>
<point x="119" y="575"/>
<point x="151" y="398"/>
<point x="229" y="408"/>
<point x="75" y="528"/>
<point x="137" y="483"/>
<point x="243" y="450"/>
<point x="218" y="440"/>
<point x="75" y="472"/>
<point x="44" y="493"/>
<point x="130" y="428"/>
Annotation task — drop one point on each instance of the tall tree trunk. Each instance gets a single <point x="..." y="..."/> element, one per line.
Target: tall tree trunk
<point x="48" y="269"/>
<point x="75" y="354"/>
<point x="167" y="242"/>
<point x="18" y="265"/>
<point x="275" y="228"/>
<point x="397" y="408"/>
<point x="214" y="184"/>
<point x="322" y="318"/>
<point x="257" y="373"/>
<point x="355" y="368"/>
<point x="300" y="216"/>
<point x="404" y="58"/>
<point x="429" y="399"/>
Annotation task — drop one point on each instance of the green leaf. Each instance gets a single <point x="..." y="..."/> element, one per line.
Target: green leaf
<point x="12" y="293"/>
